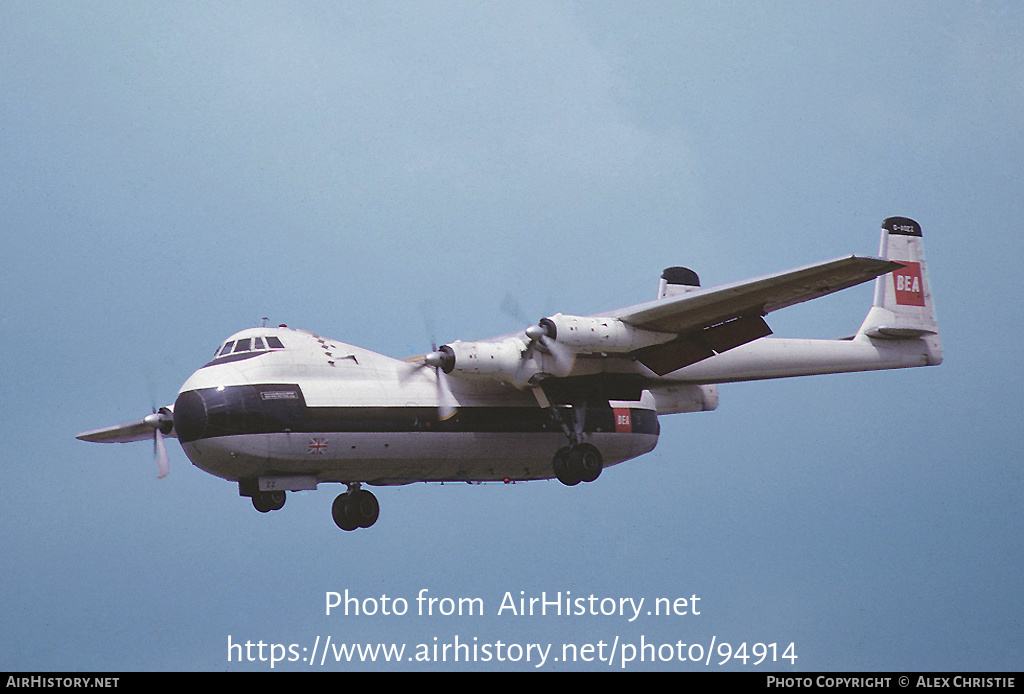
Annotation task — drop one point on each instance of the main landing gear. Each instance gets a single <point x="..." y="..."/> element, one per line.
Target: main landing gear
<point x="356" y="508"/>
<point x="580" y="462"/>
<point x="577" y="462"/>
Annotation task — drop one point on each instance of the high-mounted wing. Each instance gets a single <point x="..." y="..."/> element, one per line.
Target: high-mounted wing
<point x="717" y="319"/>
<point x="703" y="308"/>
<point x="153" y="426"/>
<point x="664" y="335"/>
<point x="139" y="430"/>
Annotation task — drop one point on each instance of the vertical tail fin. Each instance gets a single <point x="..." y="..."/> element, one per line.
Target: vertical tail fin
<point x="903" y="307"/>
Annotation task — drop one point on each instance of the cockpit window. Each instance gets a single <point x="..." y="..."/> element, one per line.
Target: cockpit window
<point x="247" y="344"/>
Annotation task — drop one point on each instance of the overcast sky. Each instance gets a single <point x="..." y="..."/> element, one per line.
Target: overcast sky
<point x="385" y="174"/>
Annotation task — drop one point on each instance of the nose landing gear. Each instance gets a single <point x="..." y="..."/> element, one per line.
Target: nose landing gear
<point x="268" y="501"/>
<point x="355" y="508"/>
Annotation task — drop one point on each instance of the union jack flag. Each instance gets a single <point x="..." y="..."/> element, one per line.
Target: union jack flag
<point x="317" y="446"/>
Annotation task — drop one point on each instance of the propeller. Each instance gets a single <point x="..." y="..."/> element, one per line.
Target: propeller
<point x="155" y="426"/>
<point x="542" y="333"/>
<point x="441" y="360"/>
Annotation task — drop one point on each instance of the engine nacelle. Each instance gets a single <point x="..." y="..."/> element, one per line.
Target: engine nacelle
<point x="508" y="360"/>
<point x="601" y="335"/>
<point x="546" y="349"/>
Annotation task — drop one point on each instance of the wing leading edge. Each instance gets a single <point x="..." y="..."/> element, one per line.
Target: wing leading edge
<point x="703" y="308"/>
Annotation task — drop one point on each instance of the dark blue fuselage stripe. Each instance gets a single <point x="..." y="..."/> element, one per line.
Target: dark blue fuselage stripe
<point x="268" y="409"/>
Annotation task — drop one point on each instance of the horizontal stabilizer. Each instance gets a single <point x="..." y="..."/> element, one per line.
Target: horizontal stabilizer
<point x="898" y="331"/>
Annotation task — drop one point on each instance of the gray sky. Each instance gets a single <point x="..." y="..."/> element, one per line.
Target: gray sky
<point x="175" y="172"/>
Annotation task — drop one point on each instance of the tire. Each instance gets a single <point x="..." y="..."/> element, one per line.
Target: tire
<point x="261" y="502"/>
<point x="341" y="518"/>
<point x="363" y="508"/>
<point x="591" y="462"/>
<point x="564" y="469"/>
<point x="276" y="499"/>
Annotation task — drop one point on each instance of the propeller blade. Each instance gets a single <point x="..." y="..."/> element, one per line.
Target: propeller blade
<point x="413" y="367"/>
<point x="561" y="354"/>
<point x="447" y="405"/>
<point x="543" y="333"/>
<point x="510" y="307"/>
<point x="163" y="466"/>
<point x="159" y="420"/>
<point x="441" y="360"/>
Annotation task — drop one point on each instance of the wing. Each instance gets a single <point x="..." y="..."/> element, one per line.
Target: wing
<point x="664" y="335"/>
<point x="703" y="308"/>
<point x="138" y="430"/>
<point x="717" y="319"/>
<point x="154" y="426"/>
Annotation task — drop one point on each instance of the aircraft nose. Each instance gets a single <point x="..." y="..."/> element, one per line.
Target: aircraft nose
<point x="190" y="416"/>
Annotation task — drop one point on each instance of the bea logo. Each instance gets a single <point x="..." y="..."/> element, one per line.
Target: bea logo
<point x="623" y="420"/>
<point x="909" y="288"/>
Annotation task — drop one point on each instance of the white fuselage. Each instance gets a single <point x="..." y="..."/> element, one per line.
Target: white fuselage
<point x="323" y="411"/>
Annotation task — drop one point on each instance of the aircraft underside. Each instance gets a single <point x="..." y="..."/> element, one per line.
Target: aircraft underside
<point x="265" y="437"/>
<point x="400" y="458"/>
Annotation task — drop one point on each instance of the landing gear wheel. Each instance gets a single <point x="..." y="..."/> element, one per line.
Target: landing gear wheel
<point x="268" y="501"/>
<point x="563" y="470"/>
<point x="341" y="519"/>
<point x="355" y="509"/>
<point x="580" y="463"/>
<point x="277" y="499"/>
<point x="589" y="462"/>
<point x="362" y="507"/>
